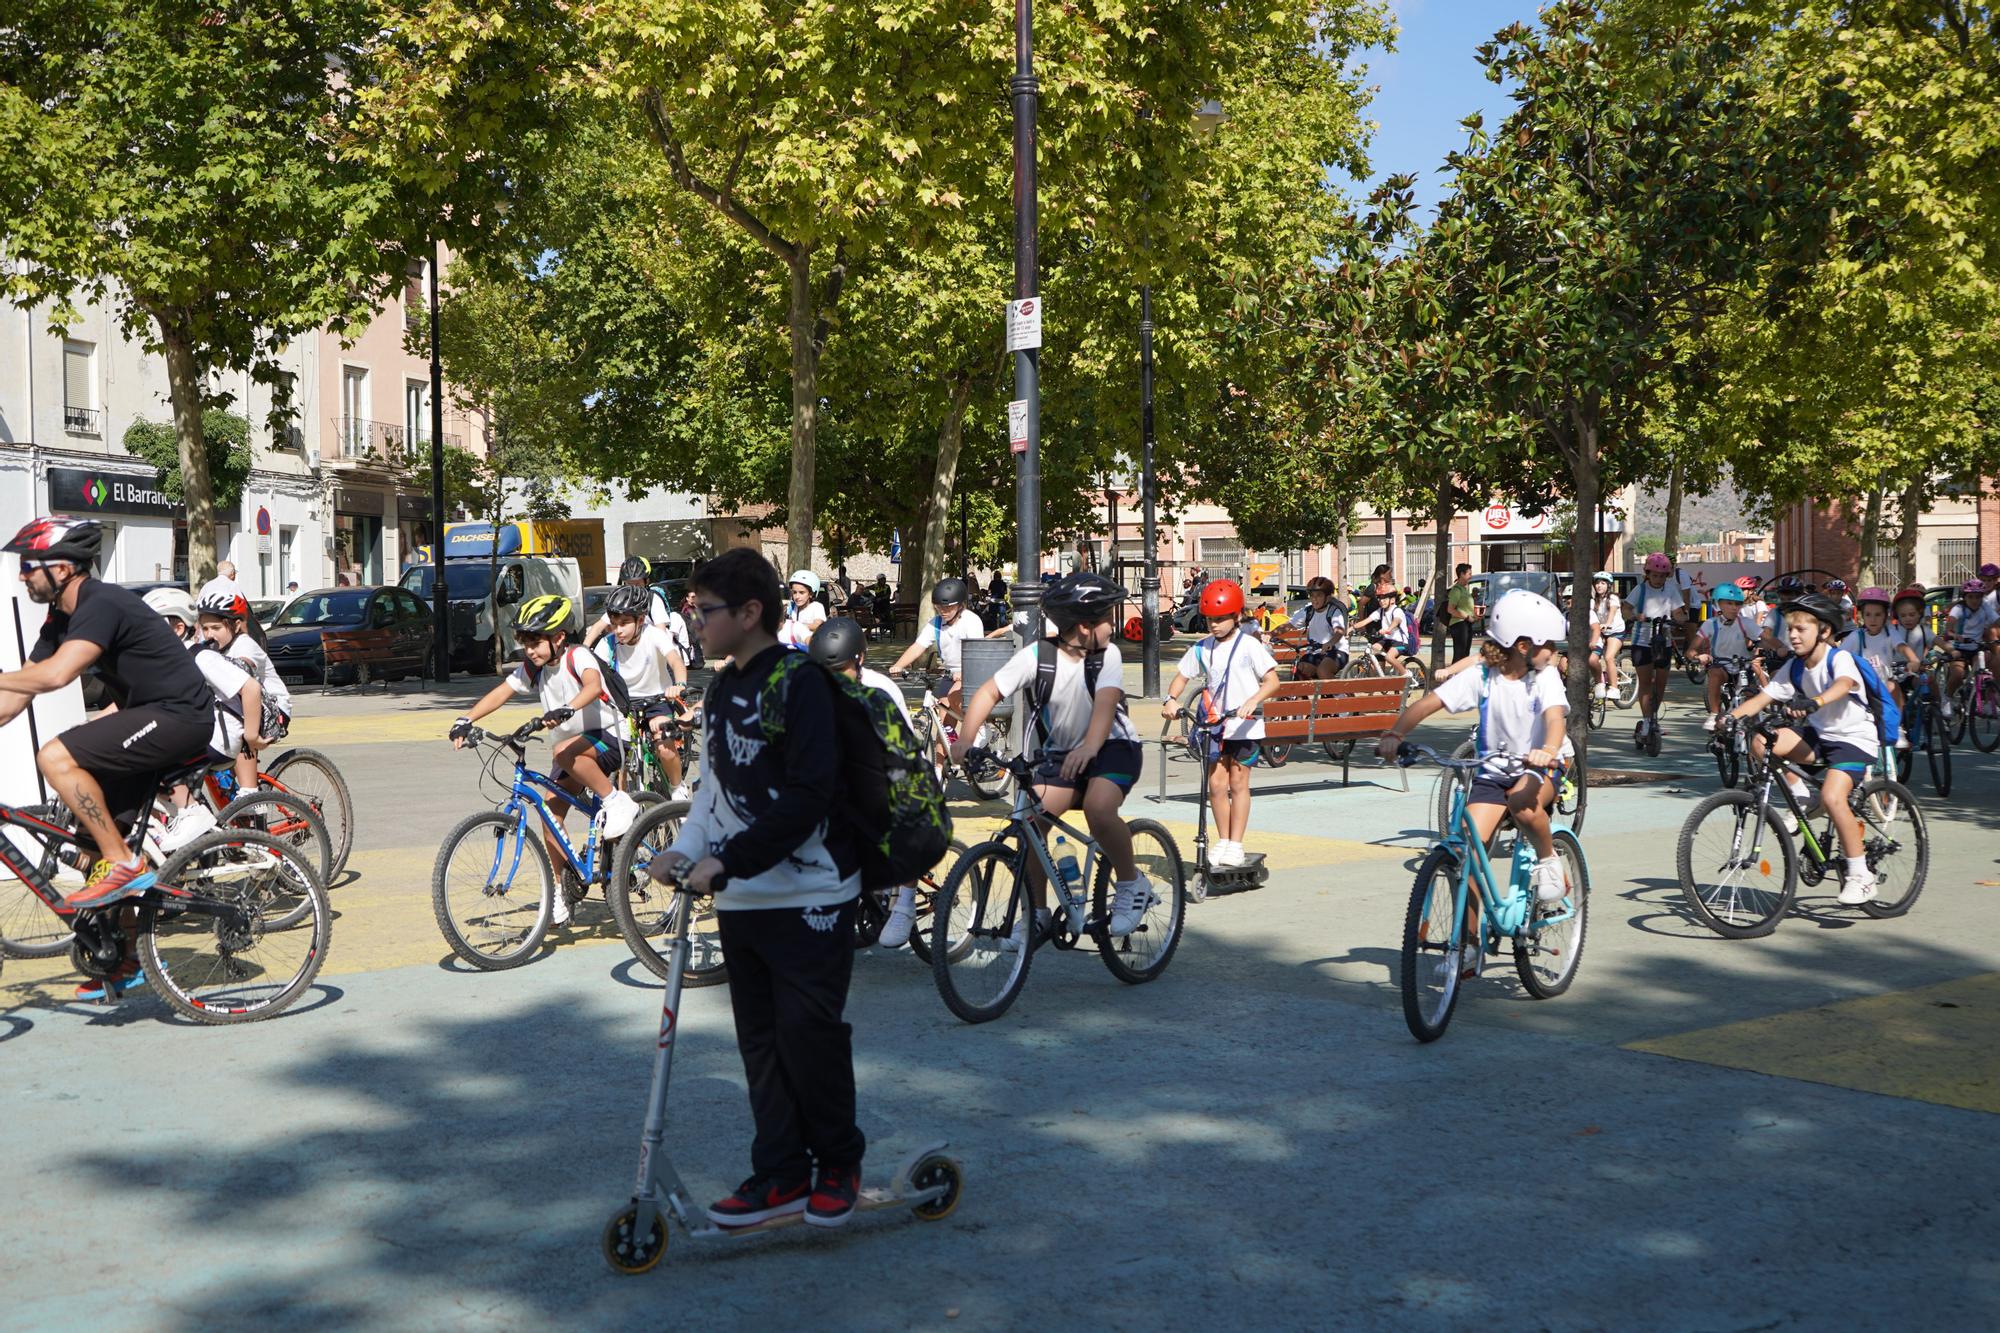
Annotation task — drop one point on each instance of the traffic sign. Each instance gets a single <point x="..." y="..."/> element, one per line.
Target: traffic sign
<point x="1017" y="425"/>
<point x="1024" y="324"/>
<point x="263" y="521"/>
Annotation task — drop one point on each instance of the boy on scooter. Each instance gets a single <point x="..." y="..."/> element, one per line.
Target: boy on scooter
<point x="785" y="874"/>
<point x="1237" y="675"/>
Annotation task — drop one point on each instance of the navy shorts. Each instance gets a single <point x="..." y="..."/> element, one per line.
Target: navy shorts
<point x="1653" y="654"/>
<point x="1491" y="791"/>
<point x="610" y="752"/>
<point x="1117" y="762"/>
<point x="1834" y="754"/>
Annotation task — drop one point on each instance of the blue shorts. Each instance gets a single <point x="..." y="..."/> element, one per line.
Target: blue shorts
<point x="1834" y="754"/>
<point x="610" y="752"/>
<point x="1117" y="762"/>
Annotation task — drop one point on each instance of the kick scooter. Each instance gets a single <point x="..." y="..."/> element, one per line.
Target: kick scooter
<point x="635" y="1239"/>
<point x="1208" y="877"/>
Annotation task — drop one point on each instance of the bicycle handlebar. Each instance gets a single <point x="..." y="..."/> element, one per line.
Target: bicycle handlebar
<point x="1014" y="764"/>
<point x="674" y="877"/>
<point x="1409" y="754"/>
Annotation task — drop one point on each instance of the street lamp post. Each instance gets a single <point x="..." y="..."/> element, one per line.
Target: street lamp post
<point x="440" y="596"/>
<point x="1027" y="385"/>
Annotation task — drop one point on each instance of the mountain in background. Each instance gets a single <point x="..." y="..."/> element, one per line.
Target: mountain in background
<point x="1707" y="515"/>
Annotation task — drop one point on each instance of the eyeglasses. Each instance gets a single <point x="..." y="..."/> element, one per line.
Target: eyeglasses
<point x="702" y="613"/>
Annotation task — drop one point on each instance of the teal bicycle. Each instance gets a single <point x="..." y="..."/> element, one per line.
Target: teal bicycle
<point x="1461" y="914"/>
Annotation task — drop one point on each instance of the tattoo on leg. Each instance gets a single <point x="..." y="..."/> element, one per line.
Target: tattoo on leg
<point x="85" y="805"/>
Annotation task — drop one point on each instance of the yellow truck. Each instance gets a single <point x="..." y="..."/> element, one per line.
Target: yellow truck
<point x="578" y="539"/>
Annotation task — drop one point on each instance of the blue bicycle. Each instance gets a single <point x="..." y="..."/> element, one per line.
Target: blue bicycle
<point x="494" y="888"/>
<point x="1460" y="913"/>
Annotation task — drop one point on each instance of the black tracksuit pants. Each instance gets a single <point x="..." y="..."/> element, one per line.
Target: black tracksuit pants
<point x="789" y="970"/>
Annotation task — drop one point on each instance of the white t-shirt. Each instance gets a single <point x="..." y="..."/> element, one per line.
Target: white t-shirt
<point x="227" y="679"/>
<point x="1959" y="625"/>
<point x="1730" y="640"/>
<point x="1877" y="648"/>
<point x="1321" y="627"/>
<point x="796" y="629"/>
<point x="643" y="664"/>
<point x="248" y="654"/>
<point x="1231" y="672"/>
<point x="1069" y="706"/>
<point x="1917" y="638"/>
<point x="1609" y="612"/>
<point x="1512" y="722"/>
<point x="950" y="640"/>
<point x="1846" y="718"/>
<point x="880" y="683"/>
<point x="558" y="684"/>
<point x="1649" y="603"/>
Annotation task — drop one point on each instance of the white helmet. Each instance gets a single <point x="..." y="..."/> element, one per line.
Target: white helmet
<point x="173" y="603"/>
<point x="805" y="578"/>
<point x="1521" y="614"/>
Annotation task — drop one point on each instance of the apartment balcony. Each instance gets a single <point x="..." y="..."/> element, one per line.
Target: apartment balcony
<point x="83" y="421"/>
<point x="383" y="444"/>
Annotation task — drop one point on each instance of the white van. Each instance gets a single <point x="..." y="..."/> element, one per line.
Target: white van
<point x="484" y="590"/>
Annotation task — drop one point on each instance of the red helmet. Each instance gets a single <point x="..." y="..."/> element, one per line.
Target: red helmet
<point x="1749" y="583"/>
<point x="229" y="606"/>
<point x="1222" y="598"/>
<point x="1913" y="593"/>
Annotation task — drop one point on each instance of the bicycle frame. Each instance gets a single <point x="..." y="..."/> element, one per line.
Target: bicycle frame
<point x="1025" y="820"/>
<point x="1501" y="915"/>
<point x="524" y="797"/>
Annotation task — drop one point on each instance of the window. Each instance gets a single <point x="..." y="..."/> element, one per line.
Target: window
<point x="1417" y="553"/>
<point x="353" y="410"/>
<point x="416" y="411"/>
<point x="1363" y="554"/>
<point x="1221" y="557"/>
<point x="1958" y="559"/>
<point x="80" y="414"/>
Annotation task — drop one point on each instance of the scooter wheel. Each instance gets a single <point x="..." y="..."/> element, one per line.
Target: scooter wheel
<point x="933" y="1171"/>
<point x="628" y="1252"/>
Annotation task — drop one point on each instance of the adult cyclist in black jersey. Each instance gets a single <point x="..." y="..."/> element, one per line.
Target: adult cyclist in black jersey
<point x="108" y="769"/>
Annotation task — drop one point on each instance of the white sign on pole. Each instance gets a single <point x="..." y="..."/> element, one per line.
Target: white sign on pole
<point x="1024" y="324"/>
<point x="1017" y="425"/>
<point x="263" y="543"/>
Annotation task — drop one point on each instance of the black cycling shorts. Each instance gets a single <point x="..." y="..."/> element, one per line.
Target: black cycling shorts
<point x="128" y="750"/>
<point x="1117" y="761"/>
<point x="1660" y="654"/>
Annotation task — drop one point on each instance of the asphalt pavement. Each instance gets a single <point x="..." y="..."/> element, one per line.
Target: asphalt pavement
<point x="1701" y="1134"/>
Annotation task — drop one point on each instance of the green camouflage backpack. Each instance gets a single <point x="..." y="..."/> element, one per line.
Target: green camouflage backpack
<point x="889" y="793"/>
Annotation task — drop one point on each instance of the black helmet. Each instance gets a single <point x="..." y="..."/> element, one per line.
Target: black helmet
<point x="948" y="592"/>
<point x="1082" y="599"/>
<point x="628" y="600"/>
<point x="546" y="614"/>
<point x="634" y="570"/>
<point x="838" y="642"/>
<point x="77" y="540"/>
<point x="1820" y="606"/>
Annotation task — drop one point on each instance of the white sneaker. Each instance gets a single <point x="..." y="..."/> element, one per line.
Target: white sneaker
<point x="896" y="932"/>
<point x="619" y="812"/>
<point x="681" y="793"/>
<point x="1128" y="907"/>
<point x="188" y="823"/>
<point x="1945" y="709"/>
<point x="1018" y="941"/>
<point x="1787" y="821"/>
<point x="1902" y="742"/>
<point x="1549" y="887"/>
<point x="1710" y="724"/>
<point x="1225" y="854"/>
<point x="1600" y="691"/>
<point x="1858" y="890"/>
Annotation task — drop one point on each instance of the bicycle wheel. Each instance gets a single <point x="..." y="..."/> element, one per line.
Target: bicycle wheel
<point x="1450" y="781"/>
<point x="1728" y="766"/>
<point x="992" y="782"/>
<point x="927" y="890"/>
<point x="1984" y="719"/>
<point x="1573" y="793"/>
<point x="1600" y="708"/>
<point x="290" y="820"/>
<point x="1898" y="845"/>
<point x="978" y="965"/>
<point x="1628" y="679"/>
<point x="493" y="890"/>
<point x="1937" y="750"/>
<point x="1433" y="953"/>
<point x="312" y="775"/>
<point x="1961" y="710"/>
<point x="1274" y="755"/>
<point x="1547" y="959"/>
<point x="231" y="965"/>
<point x="1724" y="857"/>
<point x="1145" y="953"/>
<point x="28" y="929"/>
<point x="648" y="913"/>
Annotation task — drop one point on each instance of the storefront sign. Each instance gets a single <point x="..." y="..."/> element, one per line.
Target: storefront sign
<point x="1506" y="521"/>
<point x="413" y="508"/>
<point x="368" y="503"/>
<point x="80" y="491"/>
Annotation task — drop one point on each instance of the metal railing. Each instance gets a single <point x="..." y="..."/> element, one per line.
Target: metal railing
<point x="83" y="421"/>
<point x="383" y="442"/>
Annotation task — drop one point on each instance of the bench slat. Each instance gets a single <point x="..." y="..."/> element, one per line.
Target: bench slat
<point x="1328" y="728"/>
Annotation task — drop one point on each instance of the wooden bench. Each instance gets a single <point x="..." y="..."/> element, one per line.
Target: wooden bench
<point x="1286" y="643"/>
<point x="901" y="614"/>
<point x="374" y="654"/>
<point x="1314" y="712"/>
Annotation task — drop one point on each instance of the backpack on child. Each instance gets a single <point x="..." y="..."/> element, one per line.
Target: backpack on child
<point x="889" y="792"/>
<point x="1881" y="704"/>
<point x="1045" y="681"/>
<point x="612" y="688"/>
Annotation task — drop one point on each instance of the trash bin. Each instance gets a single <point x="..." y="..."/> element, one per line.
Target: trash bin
<point x="980" y="660"/>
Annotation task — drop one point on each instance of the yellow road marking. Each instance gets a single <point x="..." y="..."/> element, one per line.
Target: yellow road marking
<point x="1934" y="1044"/>
<point x="401" y="726"/>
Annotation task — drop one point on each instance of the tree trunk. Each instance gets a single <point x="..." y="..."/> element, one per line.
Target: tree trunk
<point x="937" y="505"/>
<point x="1672" y="543"/>
<point x="1871" y="532"/>
<point x="1909" y="511"/>
<point x="1442" y="577"/>
<point x="1585" y="468"/>
<point x="197" y="493"/>
<point x="805" y="417"/>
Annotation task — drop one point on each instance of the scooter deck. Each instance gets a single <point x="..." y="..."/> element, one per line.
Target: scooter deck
<point x="1228" y="879"/>
<point x="869" y="1201"/>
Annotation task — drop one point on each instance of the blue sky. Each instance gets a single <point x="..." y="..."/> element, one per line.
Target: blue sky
<point x="1430" y="83"/>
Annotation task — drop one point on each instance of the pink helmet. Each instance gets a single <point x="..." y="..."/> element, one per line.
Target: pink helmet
<point x="1657" y="563"/>
<point x="1868" y="595"/>
<point x="1971" y="587"/>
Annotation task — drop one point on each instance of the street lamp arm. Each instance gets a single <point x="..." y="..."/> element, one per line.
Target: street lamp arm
<point x="722" y="201"/>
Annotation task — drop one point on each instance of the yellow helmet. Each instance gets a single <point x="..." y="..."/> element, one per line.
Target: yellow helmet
<point x="546" y="614"/>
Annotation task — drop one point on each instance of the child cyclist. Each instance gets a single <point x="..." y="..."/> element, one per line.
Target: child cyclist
<point x="1394" y="623"/>
<point x="842" y="645"/>
<point x="1523" y="709"/>
<point x="1653" y="599"/>
<point x="1828" y="722"/>
<point x="946" y="635"/>
<point x="764" y="838"/>
<point x="1973" y="627"/>
<point x="570" y="682"/>
<point x="238" y="695"/>
<point x="224" y="623"/>
<point x="1325" y="624"/>
<point x="1724" y="636"/>
<point x="655" y="673"/>
<point x="1089" y="752"/>
<point x="1607" y="630"/>
<point x="1881" y="642"/>
<point x="1237" y="674"/>
<point x="802" y="614"/>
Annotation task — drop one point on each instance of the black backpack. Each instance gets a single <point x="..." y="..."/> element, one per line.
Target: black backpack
<point x="614" y="692"/>
<point x="1045" y="681"/>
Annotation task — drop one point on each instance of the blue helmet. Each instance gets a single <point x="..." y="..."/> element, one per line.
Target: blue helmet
<point x="1729" y="592"/>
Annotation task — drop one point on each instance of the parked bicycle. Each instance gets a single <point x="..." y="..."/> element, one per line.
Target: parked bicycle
<point x="1740" y="861"/>
<point x="976" y="956"/>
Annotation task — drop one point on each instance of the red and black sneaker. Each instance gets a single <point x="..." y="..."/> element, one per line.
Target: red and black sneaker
<point x="759" y="1199"/>
<point x="834" y="1197"/>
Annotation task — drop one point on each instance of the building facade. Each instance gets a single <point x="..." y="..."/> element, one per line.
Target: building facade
<point x="1956" y="535"/>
